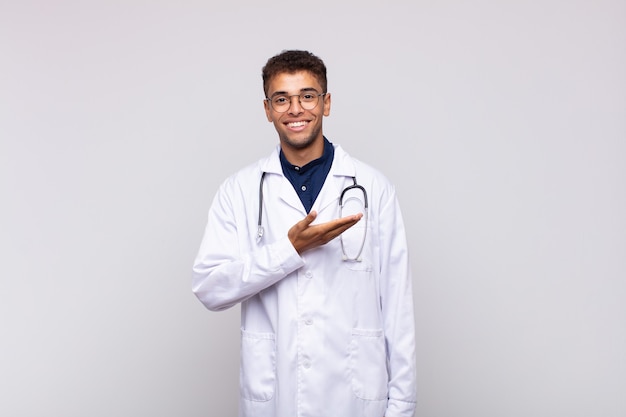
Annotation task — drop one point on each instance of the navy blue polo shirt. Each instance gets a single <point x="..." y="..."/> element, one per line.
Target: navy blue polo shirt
<point x="308" y="180"/>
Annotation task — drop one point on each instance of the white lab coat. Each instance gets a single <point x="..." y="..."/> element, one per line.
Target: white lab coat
<point x="320" y="337"/>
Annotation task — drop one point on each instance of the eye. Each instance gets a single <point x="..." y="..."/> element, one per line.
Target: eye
<point x="280" y="100"/>
<point x="308" y="96"/>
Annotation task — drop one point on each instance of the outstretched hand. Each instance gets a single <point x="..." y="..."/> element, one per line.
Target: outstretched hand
<point x="303" y="236"/>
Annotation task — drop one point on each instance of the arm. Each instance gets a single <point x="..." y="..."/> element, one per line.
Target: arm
<point x="225" y="272"/>
<point x="397" y="309"/>
<point x="224" y="275"/>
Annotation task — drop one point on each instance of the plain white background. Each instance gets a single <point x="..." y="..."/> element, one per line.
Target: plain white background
<point x="502" y="123"/>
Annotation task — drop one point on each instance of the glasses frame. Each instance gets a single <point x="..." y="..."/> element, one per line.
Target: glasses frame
<point x="269" y="100"/>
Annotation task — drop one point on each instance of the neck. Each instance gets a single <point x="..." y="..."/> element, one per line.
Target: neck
<point x="302" y="156"/>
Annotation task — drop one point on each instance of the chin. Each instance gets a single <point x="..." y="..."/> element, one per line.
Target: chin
<point x="298" y="143"/>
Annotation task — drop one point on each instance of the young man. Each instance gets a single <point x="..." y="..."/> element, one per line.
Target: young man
<point x="311" y="243"/>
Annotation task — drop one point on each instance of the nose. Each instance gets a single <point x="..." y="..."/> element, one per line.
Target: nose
<point x="294" y="105"/>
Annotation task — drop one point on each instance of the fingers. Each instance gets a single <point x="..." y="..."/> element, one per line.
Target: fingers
<point x="309" y="218"/>
<point x="304" y="223"/>
<point x="354" y="218"/>
<point x="336" y="227"/>
<point x="303" y="236"/>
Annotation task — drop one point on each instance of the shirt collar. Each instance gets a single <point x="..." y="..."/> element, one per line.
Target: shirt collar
<point x="343" y="164"/>
<point x="327" y="156"/>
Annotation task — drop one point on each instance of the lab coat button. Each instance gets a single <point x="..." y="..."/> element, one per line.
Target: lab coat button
<point x="308" y="322"/>
<point x="308" y="274"/>
<point x="306" y="364"/>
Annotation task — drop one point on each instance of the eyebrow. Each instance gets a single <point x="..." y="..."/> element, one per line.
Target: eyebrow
<point x="284" y="93"/>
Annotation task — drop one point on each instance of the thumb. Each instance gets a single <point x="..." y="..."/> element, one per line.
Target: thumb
<point x="309" y="218"/>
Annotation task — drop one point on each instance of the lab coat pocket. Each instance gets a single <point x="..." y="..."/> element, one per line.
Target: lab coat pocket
<point x="368" y="364"/>
<point x="258" y="366"/>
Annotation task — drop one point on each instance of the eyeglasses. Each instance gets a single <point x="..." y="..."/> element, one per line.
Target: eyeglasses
<point x="308" y="100"/>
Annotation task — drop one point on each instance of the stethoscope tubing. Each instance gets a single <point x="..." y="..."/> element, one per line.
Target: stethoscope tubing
<point x="345" y="257"/>
<point x="260" y="222"/>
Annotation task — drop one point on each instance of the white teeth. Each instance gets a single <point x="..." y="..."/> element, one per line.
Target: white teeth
<point x="296" y="124"/>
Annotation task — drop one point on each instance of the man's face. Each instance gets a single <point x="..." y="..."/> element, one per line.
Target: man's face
<point x="297" y="127"/>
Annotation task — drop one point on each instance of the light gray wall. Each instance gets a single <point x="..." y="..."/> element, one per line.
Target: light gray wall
<point x="503" y="125"/>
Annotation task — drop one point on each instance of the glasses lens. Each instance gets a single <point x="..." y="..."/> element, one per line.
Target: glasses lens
<point x="280" y="103"/>
<point x="308" y="100"/>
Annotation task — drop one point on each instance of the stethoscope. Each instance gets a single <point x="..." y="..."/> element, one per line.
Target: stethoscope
<point x="354" y="186"/>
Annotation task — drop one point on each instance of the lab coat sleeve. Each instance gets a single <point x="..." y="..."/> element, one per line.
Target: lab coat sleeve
<point x="228" y="269"/>
<point x="397" y="308"/>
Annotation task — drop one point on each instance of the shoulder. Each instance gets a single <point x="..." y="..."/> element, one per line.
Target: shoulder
<point x="249" y="175"/>
<point x="362" y="171"/>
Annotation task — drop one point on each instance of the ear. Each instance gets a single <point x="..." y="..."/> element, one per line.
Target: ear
<point x="327" y="104"/>
<point x="268" y="111"/>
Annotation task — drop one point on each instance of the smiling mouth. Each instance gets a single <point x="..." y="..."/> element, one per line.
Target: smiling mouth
<point x="297" y="124"/>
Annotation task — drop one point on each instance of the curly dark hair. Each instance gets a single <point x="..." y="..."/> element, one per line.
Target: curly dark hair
<point x="291" y="61"/>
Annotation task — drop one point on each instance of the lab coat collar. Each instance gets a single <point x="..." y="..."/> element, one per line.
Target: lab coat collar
<point x="271" y="165"/>
<point x="341" y="173"/>
<point x="342" y="163"/>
